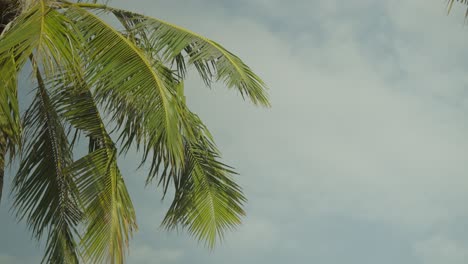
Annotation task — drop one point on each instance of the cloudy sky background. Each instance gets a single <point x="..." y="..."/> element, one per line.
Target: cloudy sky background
<point x="363" y="157"/>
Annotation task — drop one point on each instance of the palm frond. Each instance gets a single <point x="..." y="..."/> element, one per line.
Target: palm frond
<point x="207" y="201"/>
<point x="44" y="193"/>
<point x="139" y="92"/>
<point x="48" y="34"/>
<point x="88" y="65"/>
<point x="140" y="96"/>
<point x="110" y="217"/>
<point x="213" y="62"/>
<point x="172" y="42"/>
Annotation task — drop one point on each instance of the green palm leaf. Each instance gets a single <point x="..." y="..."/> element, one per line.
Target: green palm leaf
<point x="140" y="92"/>
<point x="171" y="42"/>
<point x="44" y="31"/>
<point x="108" y="207"/>
<point x="210" y="58"/>
<point x="207" y="201"/>
<point x="135" y="76"/>
<point x="45" y="194"/>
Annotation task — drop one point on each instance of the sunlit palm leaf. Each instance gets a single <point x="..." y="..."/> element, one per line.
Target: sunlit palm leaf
<point x="133" y="87"/>
<point x="140" y="97"/>
<point x="213" y="202"/>
<point x="211" y="60"/>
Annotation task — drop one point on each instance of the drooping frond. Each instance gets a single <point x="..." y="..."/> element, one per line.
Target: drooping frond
<point x="213" y="202"/>
<point x="140" y="97"/>
<point x="110" y="217"/>
<point x="207" y="201"/>
<point x="44" y="192"/>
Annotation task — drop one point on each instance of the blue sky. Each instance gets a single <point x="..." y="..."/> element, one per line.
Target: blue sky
<point x="361" y="160"/>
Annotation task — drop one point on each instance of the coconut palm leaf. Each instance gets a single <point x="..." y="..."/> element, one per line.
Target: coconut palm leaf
<point x="133" y="76"/>
<point x="140" y="92"/>
<point x="110" y="217"/>
<point x="212" y="61"/>
<point x="207" y="201"/>
<point x="44" y="193"/>
<point x="214" y="202"/>
<point x="140" y="97"/>
<point x="44" y="31"/>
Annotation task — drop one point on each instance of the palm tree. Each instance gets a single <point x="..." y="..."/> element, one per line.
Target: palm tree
<point x="85" y="71"/>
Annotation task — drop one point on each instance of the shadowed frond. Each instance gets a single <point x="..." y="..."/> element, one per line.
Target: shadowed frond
<point x="10" y="124"/>
<point x="44" y="193"/>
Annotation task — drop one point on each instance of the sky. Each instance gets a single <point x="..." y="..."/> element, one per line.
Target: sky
<point x="363" y="157"/>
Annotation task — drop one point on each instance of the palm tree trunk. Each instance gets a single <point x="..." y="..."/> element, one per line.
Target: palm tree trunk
<point x="8" y="11"/>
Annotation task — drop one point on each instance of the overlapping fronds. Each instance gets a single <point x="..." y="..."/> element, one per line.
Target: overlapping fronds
<point x="84" y="67"/>
<point x="173" y="43"/>
<point x="110" y="214"/>
<point x="44" y="31"/>
<point x="141" y="92"/>
<point x="45" y="193"/>
<point x="212" y="61"/>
